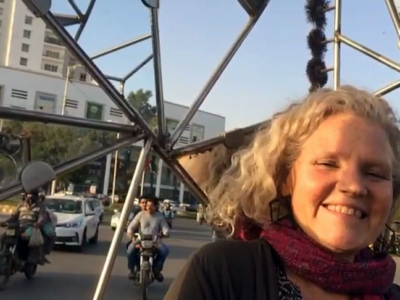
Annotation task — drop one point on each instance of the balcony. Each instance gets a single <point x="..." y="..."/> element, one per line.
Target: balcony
<point x="53" y="41"/>
<point x="55" y="56"/>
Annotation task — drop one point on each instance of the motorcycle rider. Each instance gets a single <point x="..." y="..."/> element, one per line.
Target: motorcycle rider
<point x="149" y="221"/>
<point x="142" y="203"/>
<point x="168" y="213"/>
<point x="31" y="213"/>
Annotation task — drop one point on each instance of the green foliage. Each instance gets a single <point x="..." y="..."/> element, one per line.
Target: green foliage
<point x="55" y="144"/>
<point x="140" y="100"/>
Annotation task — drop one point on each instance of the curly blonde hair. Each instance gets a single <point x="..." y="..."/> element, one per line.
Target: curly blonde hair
<point x="256" y="173"/>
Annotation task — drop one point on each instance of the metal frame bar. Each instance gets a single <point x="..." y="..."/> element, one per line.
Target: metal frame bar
<point x="336" y="43"/>
<point x="116" y="241"/>
<point x="85" y="17"/>
<point x="206" y="145"/>
<point x="155" y="31"/>
<point x="76" y="8"/>
<point x="134" y="41"/>
<point x="387" y="89"/>
<point x="74" y="163"/>
<point x="35" y="116"/>
<point x="394" y="15"/>
<point x="213" y="79"/>
<point x="340" y="38"/>
<point x="137" y="68"/>
<point x="368" y="52"/>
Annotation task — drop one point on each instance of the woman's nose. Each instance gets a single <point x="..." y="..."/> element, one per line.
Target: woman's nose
<point x="351" y="181"/>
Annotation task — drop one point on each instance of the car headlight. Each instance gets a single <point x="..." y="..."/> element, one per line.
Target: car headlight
<point x="74" y="224"/>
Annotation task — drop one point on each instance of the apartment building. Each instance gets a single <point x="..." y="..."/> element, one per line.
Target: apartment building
<point x="26" y="43"/>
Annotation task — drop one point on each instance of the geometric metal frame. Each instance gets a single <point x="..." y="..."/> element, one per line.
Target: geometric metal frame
<point x="159" y="141"/>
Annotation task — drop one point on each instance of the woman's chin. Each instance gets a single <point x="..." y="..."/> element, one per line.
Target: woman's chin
<point x="344" y="243"/>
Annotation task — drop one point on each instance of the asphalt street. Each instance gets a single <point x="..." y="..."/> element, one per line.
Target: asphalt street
<point x="74" y="276"/>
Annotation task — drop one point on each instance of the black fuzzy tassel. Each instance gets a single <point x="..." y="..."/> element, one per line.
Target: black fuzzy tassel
<point x="315" y="11"/>
<point x="315" y="74"/>
<point x="316" y="42"/>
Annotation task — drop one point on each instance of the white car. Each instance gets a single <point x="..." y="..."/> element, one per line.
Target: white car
<point x="117" y="215"/>
<point x="98" y="207"/>
<point x="77" y="222"/>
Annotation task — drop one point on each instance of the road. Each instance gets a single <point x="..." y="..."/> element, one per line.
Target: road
<point x="75" y="275"/>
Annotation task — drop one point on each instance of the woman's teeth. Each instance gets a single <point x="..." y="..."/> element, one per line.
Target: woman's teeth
<point x="345" y="210"/>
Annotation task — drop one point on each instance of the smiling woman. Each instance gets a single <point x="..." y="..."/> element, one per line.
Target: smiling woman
<point x="321" y="180"/>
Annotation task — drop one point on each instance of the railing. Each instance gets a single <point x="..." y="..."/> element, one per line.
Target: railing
<point x="52" y="40"/>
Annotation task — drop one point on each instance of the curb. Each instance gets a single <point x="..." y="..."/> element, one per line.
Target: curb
<point x="6" y="209"/>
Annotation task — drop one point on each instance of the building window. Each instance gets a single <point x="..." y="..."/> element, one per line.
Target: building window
<point x="23" y="61"/>
<point x="1" y="23"/>
<point x="82" y="77"/>
<point x="28" y="20"/>
<point x="51" y="68"/>
<point x="45" y="102"/>
<point x="94" y="111"/>
<point x="52" y="54"/>
<point x="197" y="133"/>
<point x="27" y="34"/>
<point x="171" y="125"/>
<point x="1" y="1"/>
<point x="25" y="48"/>
<point x="1" y="11"/>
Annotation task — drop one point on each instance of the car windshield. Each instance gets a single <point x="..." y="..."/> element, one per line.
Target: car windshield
<point x="66" y="206"/>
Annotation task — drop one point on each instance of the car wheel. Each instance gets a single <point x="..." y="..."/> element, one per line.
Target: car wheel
<point x="101" y="218"/>
<point x="95" y="238"/>
<point x="113" y="228"/>
<point x="82" y="246"/>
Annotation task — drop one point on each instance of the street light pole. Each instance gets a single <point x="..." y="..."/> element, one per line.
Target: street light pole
<point x="122" y="90"/>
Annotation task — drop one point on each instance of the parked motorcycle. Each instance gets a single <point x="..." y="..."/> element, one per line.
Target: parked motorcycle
<point x="14" y="255"/>
<point x="145" y="275"/>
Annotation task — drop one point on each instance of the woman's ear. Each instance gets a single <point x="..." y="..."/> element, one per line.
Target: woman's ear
<point x="288" y="184"/>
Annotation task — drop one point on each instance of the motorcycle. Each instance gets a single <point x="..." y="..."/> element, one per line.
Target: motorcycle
<point x="145" y="275"/>
<point x="14" y="255"/>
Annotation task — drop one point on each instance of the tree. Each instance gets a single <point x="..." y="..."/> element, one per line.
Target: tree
<point x="57" y="144"/>
<point x="140" y="100"/>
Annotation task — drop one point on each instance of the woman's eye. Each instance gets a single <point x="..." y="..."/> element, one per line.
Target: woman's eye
<point x="376" y="175"/>
<point x="331" y="164"/>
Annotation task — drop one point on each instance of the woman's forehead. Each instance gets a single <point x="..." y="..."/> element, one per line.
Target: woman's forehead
<point x="344" y="135"/>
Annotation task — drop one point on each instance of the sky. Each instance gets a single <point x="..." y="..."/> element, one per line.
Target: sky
<point x="266" y="74"/>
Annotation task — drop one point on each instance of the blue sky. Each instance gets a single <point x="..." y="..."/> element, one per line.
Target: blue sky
<point x="267" y="73"/>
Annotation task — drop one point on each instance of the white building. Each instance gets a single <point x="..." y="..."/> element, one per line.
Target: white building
<point x="29" y="90"/>
<point x="26" y="44"/>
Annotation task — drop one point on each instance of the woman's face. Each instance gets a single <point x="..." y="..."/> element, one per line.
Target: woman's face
<point x="341" y="184"/>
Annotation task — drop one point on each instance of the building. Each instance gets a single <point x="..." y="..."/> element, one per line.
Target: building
<point x="27" y="44"/>
<point x="38" y="91"/>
